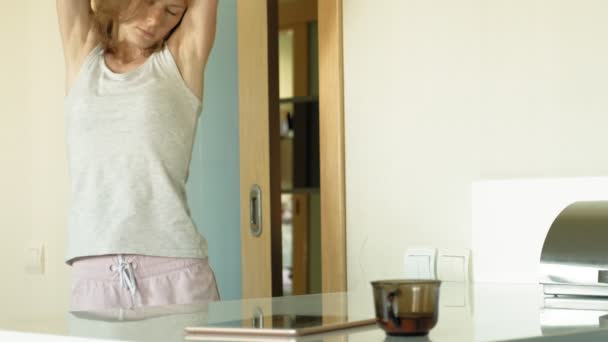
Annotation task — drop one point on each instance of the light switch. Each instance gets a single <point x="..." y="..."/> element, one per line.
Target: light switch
<point x="35" y="258"/>
<point x="418" y="267"/>
<point x="419" y="263"/>
<point x="452" y="268"/>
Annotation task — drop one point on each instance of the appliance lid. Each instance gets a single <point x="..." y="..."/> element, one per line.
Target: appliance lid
<point x="574" y="258"/>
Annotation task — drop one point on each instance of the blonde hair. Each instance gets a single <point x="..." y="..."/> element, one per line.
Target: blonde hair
<point x="106" y="16"/>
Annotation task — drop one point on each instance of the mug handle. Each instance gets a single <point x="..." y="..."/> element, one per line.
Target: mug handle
<point x="393" y="310"/>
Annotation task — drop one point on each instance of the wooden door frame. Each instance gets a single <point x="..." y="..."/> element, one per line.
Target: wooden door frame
<point x="331" y="142"/>
<point x="331" y="130"/>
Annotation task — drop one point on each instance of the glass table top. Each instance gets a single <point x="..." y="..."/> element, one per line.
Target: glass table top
<point x="468" y="312"/>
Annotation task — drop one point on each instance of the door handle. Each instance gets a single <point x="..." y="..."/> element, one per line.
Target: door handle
<point x="255" y="210"/>
<point x="257" y="320"/>
<point x="602" y="276"/>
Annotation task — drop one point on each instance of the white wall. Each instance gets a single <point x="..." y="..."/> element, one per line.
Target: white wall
<point x="34" y="170"/>
<point x="15" y="144"/>
<point x="441" y="93"/>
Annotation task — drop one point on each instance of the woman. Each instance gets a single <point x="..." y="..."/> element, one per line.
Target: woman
<point x="134" y="84"/>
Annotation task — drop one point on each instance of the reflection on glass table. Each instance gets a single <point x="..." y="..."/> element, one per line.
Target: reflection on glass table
<point x="475" y="312"/>
<point x="164" y="323"/>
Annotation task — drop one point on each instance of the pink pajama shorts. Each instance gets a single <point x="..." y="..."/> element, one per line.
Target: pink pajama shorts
<point x="130" y="281"/>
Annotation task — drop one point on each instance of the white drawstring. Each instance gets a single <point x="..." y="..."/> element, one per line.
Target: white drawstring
<point x="127" y="278"/>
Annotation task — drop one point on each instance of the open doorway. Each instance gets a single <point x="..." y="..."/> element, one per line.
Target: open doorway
<point x="299" y="146"/>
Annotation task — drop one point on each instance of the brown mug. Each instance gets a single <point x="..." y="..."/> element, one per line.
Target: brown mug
<point x="406" y="306"/>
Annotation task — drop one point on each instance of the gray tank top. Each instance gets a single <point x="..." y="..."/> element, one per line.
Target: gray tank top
<point x="129" y="143"/>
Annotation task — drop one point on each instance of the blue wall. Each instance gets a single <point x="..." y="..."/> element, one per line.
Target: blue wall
<point x="213" y="184"/>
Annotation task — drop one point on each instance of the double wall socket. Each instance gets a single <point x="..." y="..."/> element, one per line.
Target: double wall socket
<point x="445" y="264"/>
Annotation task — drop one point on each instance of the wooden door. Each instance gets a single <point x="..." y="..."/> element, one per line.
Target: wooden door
<point x="259" y="147"/>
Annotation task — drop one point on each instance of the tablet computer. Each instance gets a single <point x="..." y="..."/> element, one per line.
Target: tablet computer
<point x="280" y="325"/>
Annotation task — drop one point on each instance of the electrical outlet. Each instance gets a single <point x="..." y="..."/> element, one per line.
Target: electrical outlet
<point x="35" y="258"/>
